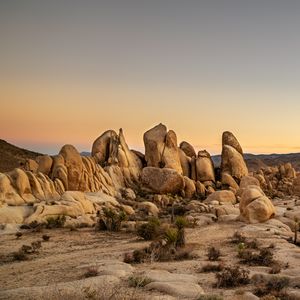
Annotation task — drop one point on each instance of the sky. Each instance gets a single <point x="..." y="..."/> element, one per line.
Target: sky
<point x="71" y="69"/>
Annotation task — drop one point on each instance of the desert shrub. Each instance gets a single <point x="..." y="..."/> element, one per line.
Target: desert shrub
<point x="91" y="272"/>
<point x="180" y="223"/>
<point x="55" y="222"/>
<point x="276" y="287"/>
<point x="18" y="234"/>
<point x="238" y="238"/>
<point x="111" y="220"/>
<point x="232" y="276"/>
<point x="263" y="258"/>
<point x="252" y="244"/>
<point x="276" y="268"/>
<point x="171" y="236"/>
<point x="210" y="297"/>
<point x="138" y="281"/>
<point x="46" y="237"/>
<point x="19" y="255"/>
<point x="36" y="245"/>
<point x="150" y="230"/>
<point x="212" y="268"/>
<point x="213" y="253"/>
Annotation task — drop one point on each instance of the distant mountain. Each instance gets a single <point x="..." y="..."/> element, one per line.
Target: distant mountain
<point x="258" y="161"/>
<point x="85" y="153"/>
<point x="12" y="156"/>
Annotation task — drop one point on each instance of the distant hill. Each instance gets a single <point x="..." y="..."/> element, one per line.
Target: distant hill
<point x="85" y="153"/>
<point x="258" y="161"/>
<point x="11" y="156"/>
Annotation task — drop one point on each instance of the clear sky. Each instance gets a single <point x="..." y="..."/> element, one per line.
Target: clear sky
<point x="70" y="70"/>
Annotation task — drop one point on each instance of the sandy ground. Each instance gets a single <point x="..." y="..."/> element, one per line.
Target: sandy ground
<point x="63" y="257"/>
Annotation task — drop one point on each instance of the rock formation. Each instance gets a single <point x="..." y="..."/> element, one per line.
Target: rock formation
<point x="232" y="157"/>
<point x="161" y="149"/>
<point x="79" y="186"/>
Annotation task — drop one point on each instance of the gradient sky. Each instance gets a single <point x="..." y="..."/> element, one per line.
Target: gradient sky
<point x="70" y="70"/>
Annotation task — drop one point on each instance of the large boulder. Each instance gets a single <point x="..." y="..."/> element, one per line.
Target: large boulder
<point x="188" y="149"/>
<point x="103" y="146"/>
<point x="162" y="181"/>
<point x="254" y="206"/>
<point x="189" y="187"/>
<point x="233" y="161"/>
<point x="185" y="162"/>
<point x="44" y="164"/>
<point x="74" y="165"/>
<point x="221" y="197"/>
<point x="161" y="148"/>
<point x="204" y="167"/>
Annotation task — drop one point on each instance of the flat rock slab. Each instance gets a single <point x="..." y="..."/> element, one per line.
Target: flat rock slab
<point x="177" y="288"/>
<point x="100" y="286"/>
<point x="111" y="267"/>
<point x="165" y="276"/>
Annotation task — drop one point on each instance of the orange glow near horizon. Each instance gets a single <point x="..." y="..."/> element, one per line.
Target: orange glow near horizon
<point x="53" y="115"/>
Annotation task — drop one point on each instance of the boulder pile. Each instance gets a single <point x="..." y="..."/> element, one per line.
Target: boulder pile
<point x="80" y="186"/>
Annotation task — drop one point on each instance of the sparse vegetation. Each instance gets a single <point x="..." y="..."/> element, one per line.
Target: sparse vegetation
<point x="212" y="268"/>
<point x="180" y="224"/>
<point x="150" y="230"/>
<point x="55" y="222"/>
<point x="238" y="238"/>
<point x="250" y="257"/>
<point x="45" y="237"/>
<point x="91" y="272"/>
<point x="210" y="297"/>
<point x="232" y="276"/>
<point x="138" y="281"/>
<point x="213" y="253"/>
<point x="111" y="220"/>
<point x="275" y="287"/>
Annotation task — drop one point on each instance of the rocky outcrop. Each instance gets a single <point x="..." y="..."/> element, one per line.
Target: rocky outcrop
<point x="162" y="181"/>
<point x="232" y="157"/>
<point x="161" y="149"/>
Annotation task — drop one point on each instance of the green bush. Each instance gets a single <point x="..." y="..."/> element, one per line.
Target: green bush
<point x="111" y="220"/>
<point x="150" y="230"/>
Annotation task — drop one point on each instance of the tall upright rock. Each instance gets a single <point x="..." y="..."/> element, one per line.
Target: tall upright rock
<point x="204" y="167"/>
<point x="233" y="162"/>
<point x="161" y="149"/>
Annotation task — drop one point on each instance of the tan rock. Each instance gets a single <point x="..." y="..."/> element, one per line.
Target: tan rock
<point x="44" y="164"/>
<point x="162" y="181"/>
<point x="73" y="163"/>
<point x="102" y="147"/>
<point x="246" y="181"/>
<point x="228" y="181"/>
<point x="232" y="157"/>
<point x="190" y="187"/>
<point x="223" y="196"/>
<point x="188" y="149"/>
<point x="185" y="162"/>
<point x="255" y="207"/>
<point x="204" y="167"/>
<point x="161" y="148"/>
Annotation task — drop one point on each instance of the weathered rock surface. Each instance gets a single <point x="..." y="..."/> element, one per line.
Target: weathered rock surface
<point x="255" y="207"/>
<point x="232" y="157"/>
<point x="221" y="197"/>
<point x="161" y="148"/>
<point x="162" y="181"/>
